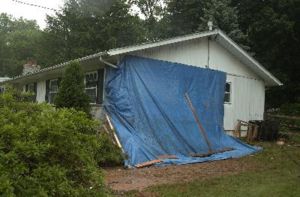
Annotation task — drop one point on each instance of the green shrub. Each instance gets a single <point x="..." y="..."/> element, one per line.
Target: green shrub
<point x="108" y="154"/>
<point x="46" y="151"/>
<point x="290" y="109"/>
<point x="18" y="95"/>
<point x="71" y="93"/>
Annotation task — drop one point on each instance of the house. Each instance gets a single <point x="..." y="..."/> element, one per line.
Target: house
<point x="246" y="79"/>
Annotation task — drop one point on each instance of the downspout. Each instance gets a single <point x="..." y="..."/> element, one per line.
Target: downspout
<point x="107" y="63"/>
<point x="208" y="52"/>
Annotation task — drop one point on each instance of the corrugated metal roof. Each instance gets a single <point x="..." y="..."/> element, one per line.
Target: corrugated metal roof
<point x="221" y="37"/>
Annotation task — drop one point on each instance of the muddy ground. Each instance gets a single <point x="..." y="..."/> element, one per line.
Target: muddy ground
<point x="123" y="180"/>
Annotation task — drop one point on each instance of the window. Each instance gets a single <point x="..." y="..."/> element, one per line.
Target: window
<point x="91" y="82"/>
<point x="1" y="89"/>
<point x="30" y="87"/>
<point x="227" y="97"/>
<point x="53" y="89"/>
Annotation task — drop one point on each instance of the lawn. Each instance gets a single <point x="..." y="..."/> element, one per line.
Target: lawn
<point x="276" y="172"/>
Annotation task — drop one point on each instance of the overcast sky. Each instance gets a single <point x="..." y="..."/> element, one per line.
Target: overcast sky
<point x="19" y="10"/>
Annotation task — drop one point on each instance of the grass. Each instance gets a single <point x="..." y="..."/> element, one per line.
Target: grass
<point x="277" y="173"/>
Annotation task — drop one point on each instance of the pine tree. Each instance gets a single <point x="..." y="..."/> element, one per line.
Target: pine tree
<point x="71" y="93"/>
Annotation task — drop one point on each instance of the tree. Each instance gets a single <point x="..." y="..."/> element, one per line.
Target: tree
<point x="120" y="28"/>
<point x="81" y="29"/>
<point x="71" y="93"/>
<point x="152" y="12"/>
<point x="224" y="17"/>
<point x="190" y="16"/>
<point x="19" y="41"/>
<point x="273" y="29"/>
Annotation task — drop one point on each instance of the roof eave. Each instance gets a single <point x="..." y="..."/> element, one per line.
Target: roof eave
<point x="58" y="66"/>
<point x="269" y="79"/>
<point x="124" y="50"/>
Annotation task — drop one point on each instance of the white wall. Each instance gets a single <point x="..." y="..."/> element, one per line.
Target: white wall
<point x="248" y="98"/>
<point x="248" y="90"/>
<point x="41" y="91"/>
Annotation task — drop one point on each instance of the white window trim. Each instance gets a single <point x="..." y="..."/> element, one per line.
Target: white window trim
<point x="230" y="93"/>
<point x="90" y="88"/>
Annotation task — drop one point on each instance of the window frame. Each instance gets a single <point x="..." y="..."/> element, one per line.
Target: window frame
<point x="230" y="93"/>
<point x="91" y="88"/>
<point x="51" y="91"/>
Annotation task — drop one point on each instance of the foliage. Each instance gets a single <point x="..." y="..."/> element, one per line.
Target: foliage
<point x="18" y="95"/>
<point x="273" y="29"/>
<point x="190" y="16"/>
<point x="224" y="17"/>
<point x="290" y="123"/>
<point x="19" y="41"/>
<point x="108" y="153"/>
<point x="81" y="28"/>
<point x="152" y="12"/>
<point x="71" y="93"/>
<point x="46" y="151"/>
<point x="290" y="109"/>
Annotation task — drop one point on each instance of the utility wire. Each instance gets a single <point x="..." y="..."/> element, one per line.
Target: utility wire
<point x="34" y="5"/>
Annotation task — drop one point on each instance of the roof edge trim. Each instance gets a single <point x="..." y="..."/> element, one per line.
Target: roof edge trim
<point x="248" y="56"/>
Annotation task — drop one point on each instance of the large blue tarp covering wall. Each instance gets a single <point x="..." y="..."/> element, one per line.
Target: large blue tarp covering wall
<point x="145" y="99"/>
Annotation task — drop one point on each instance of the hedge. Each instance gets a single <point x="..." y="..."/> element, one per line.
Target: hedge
<point x="46" y="151"/>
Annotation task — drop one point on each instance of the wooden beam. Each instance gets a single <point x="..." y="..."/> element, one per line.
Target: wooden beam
<point x="148" y="163"/>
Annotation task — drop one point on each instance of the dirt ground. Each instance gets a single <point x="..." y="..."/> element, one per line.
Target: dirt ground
<point x="123" y="180"/>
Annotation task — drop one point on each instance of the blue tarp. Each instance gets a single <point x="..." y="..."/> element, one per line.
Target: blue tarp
<point x="145" y="99"/>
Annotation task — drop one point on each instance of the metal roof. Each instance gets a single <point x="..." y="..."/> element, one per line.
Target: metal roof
<point x="4" y="79"/>
<point x="221" y="38"/>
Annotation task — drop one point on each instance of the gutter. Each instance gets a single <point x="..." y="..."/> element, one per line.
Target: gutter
<point x="61" y="65"/>
<point x="107" y="63"/>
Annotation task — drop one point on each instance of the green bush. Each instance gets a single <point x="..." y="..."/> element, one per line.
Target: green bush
<point x="290" y="109"/>
<point x="108" y="154"/>
<point x="71" y="93"/>
<point x="46" y="151"/>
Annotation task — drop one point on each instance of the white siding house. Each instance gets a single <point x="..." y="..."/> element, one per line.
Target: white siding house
<point x="246" y="78"/>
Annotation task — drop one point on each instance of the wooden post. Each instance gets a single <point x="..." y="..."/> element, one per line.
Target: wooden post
<point x="202" y="131"/>
<point x="114" y="134"/>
